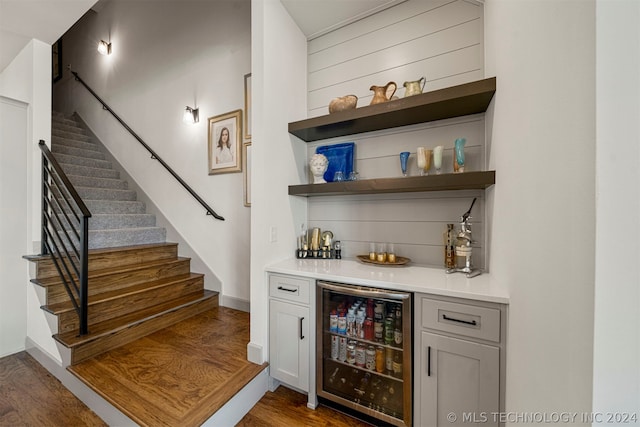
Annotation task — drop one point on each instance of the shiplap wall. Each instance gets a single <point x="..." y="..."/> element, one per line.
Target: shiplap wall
<point x="441" y="40"/>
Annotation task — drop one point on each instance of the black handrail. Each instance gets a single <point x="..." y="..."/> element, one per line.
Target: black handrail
<point x="59" y="195"/>
<point x="154" y="156"/>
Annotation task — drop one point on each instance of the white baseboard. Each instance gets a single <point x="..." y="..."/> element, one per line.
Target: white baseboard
<point x="254" y="353"/>
<point x="235" y="303"/>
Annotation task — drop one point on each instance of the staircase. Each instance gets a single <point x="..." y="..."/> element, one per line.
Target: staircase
<point x="137" y="283"/>
<point x="118" y="219"/>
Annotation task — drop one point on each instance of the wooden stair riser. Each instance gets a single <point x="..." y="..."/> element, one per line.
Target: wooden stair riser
<point x="57" y="293"/>
<point x="101" y="259"/>
<point x="118" y="338"/>
<point x="129" y="303"/>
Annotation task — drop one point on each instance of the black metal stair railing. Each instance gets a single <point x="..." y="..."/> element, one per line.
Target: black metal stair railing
<point x="154" y="155"/>
<point x="65" y="234"/>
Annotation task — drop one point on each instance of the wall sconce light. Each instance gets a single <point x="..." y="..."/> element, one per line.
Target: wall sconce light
<point x="191" y="115"/>
<point x="104" y="47"/>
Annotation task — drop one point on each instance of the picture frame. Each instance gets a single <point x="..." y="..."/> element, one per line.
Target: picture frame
<point x="56" y="61"/>
<point x="247" y="107"/>
<point x="246" y="167"/>
<point x="225" y="159"/>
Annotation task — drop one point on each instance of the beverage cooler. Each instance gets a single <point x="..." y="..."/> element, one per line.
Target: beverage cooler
<point x="364" y="350"/>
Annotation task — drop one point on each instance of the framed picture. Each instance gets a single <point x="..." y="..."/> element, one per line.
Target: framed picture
<point x="247" y="106"/>
<point x="56" y="60"/>
<point x="225" y="146"/>
<point x="246" y="167"/>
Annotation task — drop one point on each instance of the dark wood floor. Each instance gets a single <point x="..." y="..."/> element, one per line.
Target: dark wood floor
<point x="31" y="396"/>
<point x="285" y="407"/>
<point x="163" y="379"/>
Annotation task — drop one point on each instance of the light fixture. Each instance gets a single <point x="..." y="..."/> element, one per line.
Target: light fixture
<point x="191" y="115"/>
<point x="104" y="47"/>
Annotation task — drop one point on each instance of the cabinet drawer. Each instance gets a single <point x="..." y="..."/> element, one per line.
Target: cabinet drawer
<point x="462" y="319"/>
<point x="289" y="288"/>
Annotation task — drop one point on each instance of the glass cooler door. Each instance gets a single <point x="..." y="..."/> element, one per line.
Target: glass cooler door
<point x="364" y="350"/>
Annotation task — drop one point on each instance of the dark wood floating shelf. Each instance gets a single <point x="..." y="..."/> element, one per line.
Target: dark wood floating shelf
<point x="444" y="182"/>
<point x="455" y="101"/>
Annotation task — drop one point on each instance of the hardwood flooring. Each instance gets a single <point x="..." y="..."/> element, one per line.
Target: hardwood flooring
<point x="175" y="377"/>
<point x="31" y="396"/>
<point x="285" y="407"/>
<point x="178" y="376"/>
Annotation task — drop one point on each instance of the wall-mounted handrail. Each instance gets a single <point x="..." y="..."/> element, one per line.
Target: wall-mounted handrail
<point x="154" y="155"/>
<point x="59" y="195"/>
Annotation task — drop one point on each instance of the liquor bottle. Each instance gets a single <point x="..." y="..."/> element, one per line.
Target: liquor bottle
<point x="397" y="332"/>
<point x="397" y="364"/>
<point x="449" y="250"/>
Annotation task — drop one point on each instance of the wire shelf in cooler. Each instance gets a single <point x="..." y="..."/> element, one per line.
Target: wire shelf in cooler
<point x="363" y="369"/>
<point x="362" y="340"/>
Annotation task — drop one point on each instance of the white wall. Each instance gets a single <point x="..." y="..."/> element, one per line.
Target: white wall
<point x="27" y="79"/>
<point x="166" y="55"/>
<point x="543" y="211"/>
<point x="440" y="40"/>
<point x="279" y="96"/>
<point x="616" y="373"/>
<point x="13" y="225"/>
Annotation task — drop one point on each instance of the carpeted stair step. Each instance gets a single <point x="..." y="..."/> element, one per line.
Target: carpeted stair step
<point x="70" y="135"/>
<point x="89" y="193"/>
<point x="97" y="207"/>
<point x="126" y="237"/>
<point x="81" y="161"/>
<point x="97" y="182"/>
<point x="71" y="169"/>
<point x="78" y="152"/>
<point x="118" y="221"/>
<point x="58" y="141"/>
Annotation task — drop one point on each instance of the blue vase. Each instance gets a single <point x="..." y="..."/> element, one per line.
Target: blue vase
<point x="404" y="157"/>
<point x="458" y="158"/>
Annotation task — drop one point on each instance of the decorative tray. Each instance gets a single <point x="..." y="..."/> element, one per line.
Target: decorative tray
<point x="340" y="158"/>
<point x="399" y="261"/>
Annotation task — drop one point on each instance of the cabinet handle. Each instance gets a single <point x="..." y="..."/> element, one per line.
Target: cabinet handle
<point x="301" y="336"/>
<point x="466" y="322"/>
<point x="429" y="361"/>
<point x="280" y="288"/>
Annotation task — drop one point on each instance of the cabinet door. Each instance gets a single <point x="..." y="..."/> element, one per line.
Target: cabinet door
<point x="458" y="377"/>
<point x="289" y="343"/>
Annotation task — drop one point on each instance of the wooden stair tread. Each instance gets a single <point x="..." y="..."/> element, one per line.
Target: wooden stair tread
<point x="109" y="257"/>
<point x="53" y="281"/>
<point x="72" y="339"/>
<point x="177" y="376"/>
<point x="66" y="306"/>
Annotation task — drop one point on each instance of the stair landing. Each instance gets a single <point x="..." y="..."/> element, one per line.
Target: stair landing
<point x="180" y="375"/>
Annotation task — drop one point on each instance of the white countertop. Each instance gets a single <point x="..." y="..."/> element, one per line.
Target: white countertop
<point x="406" y="278"/>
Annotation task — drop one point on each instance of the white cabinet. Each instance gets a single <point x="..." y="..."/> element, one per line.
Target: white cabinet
<point x="459" y="362"/>
<point x="292" y="333"/>
<point x="289" y="343"/>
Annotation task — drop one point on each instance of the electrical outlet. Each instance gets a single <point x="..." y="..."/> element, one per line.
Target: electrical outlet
<point x="274" y="234"/>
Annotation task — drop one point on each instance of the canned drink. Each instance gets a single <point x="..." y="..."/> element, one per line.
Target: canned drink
<point x="351" y="353"/>
<point x="380" y="359"/>
<point x="389" y="325"/>
<point x="342" y="353"/>
<point x="335" y="347"/>
<point x="361" y="355"/>
<point x="389" y="360"/>
<point x="378" y="331"/>
<point x="371" y="358"/>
